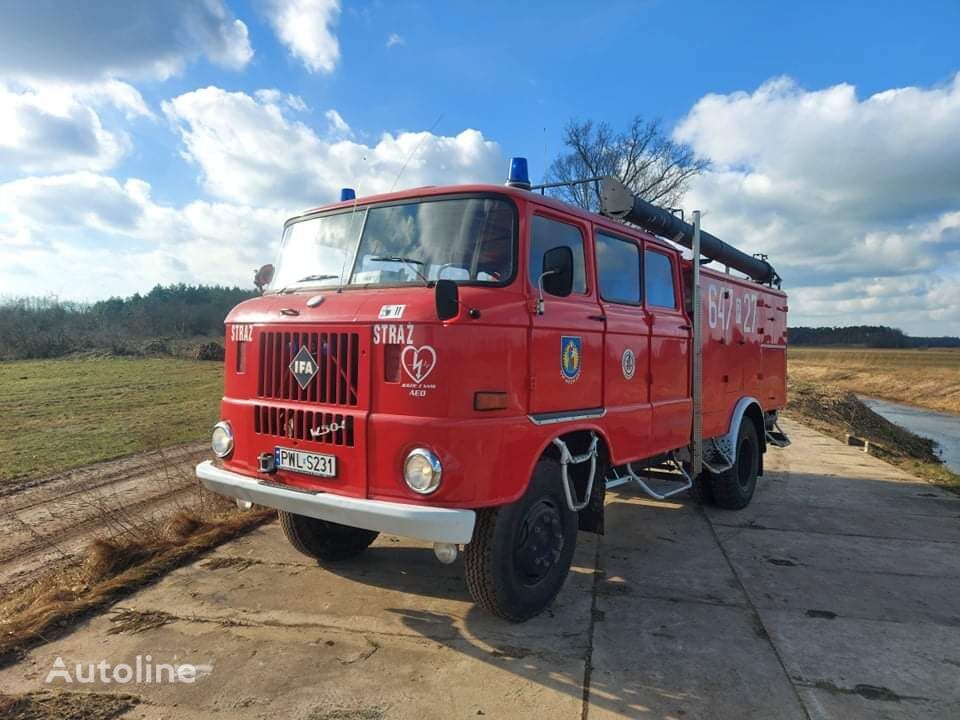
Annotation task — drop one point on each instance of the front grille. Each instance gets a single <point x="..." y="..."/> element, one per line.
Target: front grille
<point x="337" y="354"/>
<point x="297" y="424"/>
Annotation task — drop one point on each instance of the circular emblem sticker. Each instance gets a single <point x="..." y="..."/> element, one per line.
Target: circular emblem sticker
<point x="628" y="363"/>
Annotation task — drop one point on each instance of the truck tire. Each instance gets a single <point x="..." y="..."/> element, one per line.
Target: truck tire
<point x="520" y="553"/>
<point x="733" y="488"/>
<point x="325" y="541"/>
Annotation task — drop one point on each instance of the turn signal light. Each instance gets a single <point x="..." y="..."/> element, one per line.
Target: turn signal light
<point x="490" y="401"/>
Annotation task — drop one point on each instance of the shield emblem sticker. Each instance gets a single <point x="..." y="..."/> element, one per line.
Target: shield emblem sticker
<point x="570" y="360"/>
<point x="303" y="367"/>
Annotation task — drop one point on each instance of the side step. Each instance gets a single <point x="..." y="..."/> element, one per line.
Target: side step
<point x="777" y="437"/>
<point x="626" y="473"/>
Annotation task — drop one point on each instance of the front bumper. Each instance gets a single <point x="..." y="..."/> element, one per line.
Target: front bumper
<point x="434" y="524"/>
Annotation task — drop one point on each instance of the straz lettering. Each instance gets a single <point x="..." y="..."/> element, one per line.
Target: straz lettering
<point x="392" y="334"/>
<point x="241" y="333"/>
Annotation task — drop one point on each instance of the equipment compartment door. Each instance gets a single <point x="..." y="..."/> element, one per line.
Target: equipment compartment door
<point x="566" y="342"/>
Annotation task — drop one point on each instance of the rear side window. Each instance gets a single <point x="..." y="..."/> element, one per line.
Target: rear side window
<point x="618" y="268"/>
<point x="658" y="279"/>
<point x="547" y="234"/>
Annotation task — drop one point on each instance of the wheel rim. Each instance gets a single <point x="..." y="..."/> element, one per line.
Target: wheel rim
<point x="539" y="542"/>
<point x="745" y="463"/>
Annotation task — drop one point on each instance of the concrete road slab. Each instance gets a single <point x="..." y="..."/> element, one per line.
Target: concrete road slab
<point x="661" y="659"/>
<point x="664" y="550"/>
<point x="864" y="668"/>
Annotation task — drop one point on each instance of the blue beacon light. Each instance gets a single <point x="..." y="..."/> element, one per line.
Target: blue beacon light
<point x="347" y="194"/>
<point x="519" y="176"/>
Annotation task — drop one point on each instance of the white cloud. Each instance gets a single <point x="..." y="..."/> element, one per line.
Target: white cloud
<point x="85" y="236"/>
<point x="99" y="39"/>
<point x="849" y="196"/>
<point x="306" y="28"/>
<point x="394" y="40"/>
<point x="250" y="150"/>
<point x="338" y="127"/>
<point x="46" y="127"/>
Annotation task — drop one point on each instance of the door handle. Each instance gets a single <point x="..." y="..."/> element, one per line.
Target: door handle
<point x="684" y="327"/>
<point x="598" y="318"/>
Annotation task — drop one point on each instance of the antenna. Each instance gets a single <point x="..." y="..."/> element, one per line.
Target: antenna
<point x="346" y="255"/>
<point x="414" y="152"/>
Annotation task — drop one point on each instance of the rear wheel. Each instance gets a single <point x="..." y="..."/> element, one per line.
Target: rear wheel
<point x="733" y="488"/>
<point x="324" y="540"/>
<point x="521" y="553"/>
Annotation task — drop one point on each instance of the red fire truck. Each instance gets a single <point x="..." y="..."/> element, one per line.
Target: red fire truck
<point x="473" y="366"/>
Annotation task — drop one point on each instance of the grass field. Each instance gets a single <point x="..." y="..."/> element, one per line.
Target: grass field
<point x="62" y="414"/>
<point x="926" y="378"/>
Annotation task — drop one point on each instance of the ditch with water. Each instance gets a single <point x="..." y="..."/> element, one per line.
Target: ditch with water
<point x="942" y="428"/>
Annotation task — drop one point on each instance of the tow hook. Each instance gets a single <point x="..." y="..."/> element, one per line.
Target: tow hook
<point x="445" y="552"/>
<point x="266" y="463"/>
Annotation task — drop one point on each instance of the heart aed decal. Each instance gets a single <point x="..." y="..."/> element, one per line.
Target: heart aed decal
<point x="418" y="362"/>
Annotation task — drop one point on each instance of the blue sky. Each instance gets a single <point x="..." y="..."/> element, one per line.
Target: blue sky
<point x="165" y="142"/>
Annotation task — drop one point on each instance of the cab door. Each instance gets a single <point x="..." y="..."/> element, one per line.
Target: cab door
<point x="670" y="337"/>
<point x="626" y="389"/>
<point x="566" y="342"/>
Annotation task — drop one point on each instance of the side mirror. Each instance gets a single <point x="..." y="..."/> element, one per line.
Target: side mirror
<point x="263" y="277"/>
<point x="557" y="277"/>
<point x="448" y="299"/>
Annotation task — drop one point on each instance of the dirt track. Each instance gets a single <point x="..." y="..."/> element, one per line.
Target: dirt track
<point x="835" y="595"/>
<point x="50" y="519"/>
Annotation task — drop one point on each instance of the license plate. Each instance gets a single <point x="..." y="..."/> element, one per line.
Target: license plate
<point x="305" y="462"/>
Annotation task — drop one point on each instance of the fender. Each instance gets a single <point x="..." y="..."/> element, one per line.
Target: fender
<point x="726" y="445"/>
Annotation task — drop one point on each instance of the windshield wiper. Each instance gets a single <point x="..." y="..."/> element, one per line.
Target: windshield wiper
<point x="308" y="278"/>
<point x="409" y="262"/>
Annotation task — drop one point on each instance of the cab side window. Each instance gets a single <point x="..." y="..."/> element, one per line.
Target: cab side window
<point x="547" y="234"/>
<point x="618" y="270"/>
<point x="658" y="279"/>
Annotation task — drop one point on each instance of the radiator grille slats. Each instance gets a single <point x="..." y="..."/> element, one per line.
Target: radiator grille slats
<point x="337" y="356"/>
<point x="296" y="424"/>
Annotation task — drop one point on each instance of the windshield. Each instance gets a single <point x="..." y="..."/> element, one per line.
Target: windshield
<point x="466" y="239"/>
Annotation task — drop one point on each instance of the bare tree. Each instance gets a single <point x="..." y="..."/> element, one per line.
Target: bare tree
<point x="647" y="161"/>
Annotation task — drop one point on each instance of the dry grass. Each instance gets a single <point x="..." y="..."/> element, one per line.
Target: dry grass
<point x="838" y="413"/>
<point x="65" y="705"/>
<point x="925" y="378"/>
<point x="111" y="568"/>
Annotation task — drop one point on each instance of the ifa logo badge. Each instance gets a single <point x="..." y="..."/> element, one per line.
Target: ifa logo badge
<point x="570" y="357"/>
<point x="303" y="367"/>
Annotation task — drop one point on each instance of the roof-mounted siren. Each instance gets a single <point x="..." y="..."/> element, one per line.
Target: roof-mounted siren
<point x="619" y="202"/>
<point x="519" y="176"/>
<point x="347" y="194"/>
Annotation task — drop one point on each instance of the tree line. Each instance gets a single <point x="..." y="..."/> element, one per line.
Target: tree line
<point x="872" y="336"/>
<point x="49" y="328"/>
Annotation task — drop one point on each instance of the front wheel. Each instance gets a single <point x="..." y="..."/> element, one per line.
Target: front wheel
<point x="733" y="488"/>
<point x="323" y="540"/>
<point x="521" y="553"/>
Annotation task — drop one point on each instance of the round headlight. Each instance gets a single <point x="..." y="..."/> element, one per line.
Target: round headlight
<point x="222" y="441"/>
<point x="422" y="471"/>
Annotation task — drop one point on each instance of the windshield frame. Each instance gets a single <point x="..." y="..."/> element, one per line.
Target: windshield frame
<point x="364" y="207"/>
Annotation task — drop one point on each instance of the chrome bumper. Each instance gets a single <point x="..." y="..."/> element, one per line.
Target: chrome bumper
<point x="434" y="524"/>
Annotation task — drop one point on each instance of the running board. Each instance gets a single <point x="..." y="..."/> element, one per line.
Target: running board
<point x="630" y="475"/>
<point x="777" y="437"/>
